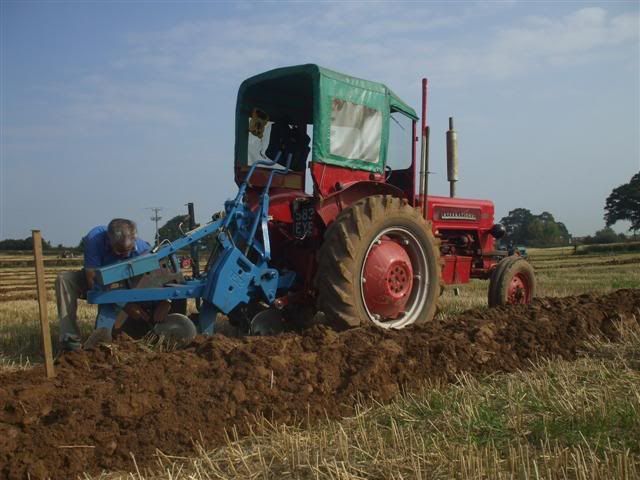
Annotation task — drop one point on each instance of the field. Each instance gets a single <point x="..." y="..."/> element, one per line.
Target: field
<point x="547" y="391"/>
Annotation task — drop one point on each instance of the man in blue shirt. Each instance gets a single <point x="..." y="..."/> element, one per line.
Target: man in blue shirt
<point x="103" y="245"/>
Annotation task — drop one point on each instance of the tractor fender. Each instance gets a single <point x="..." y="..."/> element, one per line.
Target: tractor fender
<point x="280" y="204"/>
<point x="330" y="206"/>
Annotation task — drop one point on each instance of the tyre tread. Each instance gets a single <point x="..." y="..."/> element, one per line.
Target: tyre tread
<point x="337" y="255"/>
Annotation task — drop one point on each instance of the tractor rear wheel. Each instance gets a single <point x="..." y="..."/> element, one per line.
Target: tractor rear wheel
<point x="512" y="282"/>
<point x="379" y="262"/>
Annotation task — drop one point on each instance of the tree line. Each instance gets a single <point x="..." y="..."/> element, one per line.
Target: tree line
<point x="22" y="244"/>
<point x="525" y="228"/>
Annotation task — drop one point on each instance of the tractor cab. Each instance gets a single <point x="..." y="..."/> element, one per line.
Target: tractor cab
<point x="351" y="130"/>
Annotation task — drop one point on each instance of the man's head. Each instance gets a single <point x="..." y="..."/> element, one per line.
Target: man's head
<point x="122" y="236"/>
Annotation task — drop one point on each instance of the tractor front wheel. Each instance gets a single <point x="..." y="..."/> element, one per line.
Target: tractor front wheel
<point x="512" y="282"/>
<point x="379" y="262"/>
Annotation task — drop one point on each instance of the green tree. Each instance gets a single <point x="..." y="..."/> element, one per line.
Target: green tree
<point x="171" y="229"/>
<point x="554" y="233"/>
<point x="534" y="233"/>
<point x="624" y="204"/>
<point x="525" y="228"/>
<point x="606" y="235"/>
<point x="517" y="223"/>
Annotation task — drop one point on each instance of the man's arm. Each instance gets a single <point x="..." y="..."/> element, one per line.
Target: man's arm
<point x="92" y="260"/>
<point x="90" y="274"/>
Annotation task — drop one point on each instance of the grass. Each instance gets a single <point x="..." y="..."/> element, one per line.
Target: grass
<point x="20" y="339"/>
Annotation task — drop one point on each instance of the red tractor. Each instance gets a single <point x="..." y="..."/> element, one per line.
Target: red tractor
<point x="355" y="226"/>
<point x="350" y="233"/>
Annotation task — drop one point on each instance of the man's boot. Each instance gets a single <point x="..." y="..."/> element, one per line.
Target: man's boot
<point x="70" y="343"/>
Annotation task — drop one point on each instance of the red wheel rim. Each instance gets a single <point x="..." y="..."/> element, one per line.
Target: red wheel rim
<point x="519" y="291"/>
<point x="394" y="278"/>
<point x="388" y="278"/>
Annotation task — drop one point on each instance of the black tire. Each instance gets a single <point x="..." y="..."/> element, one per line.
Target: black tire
<point x="495" y="275"/>
<point x="502" y="278"/>
<point x="342" y="256"/>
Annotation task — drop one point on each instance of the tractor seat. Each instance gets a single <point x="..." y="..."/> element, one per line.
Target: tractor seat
<point x="290" y="141"/>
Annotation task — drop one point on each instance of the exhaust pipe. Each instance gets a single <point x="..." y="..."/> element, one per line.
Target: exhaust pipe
<point x="424" y="157"/>
<point x="452" y="158"/>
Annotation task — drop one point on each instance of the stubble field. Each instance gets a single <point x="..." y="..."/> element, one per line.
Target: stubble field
<point x="547" y="391"/>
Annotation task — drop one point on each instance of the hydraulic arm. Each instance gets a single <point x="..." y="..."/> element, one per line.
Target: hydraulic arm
<point x="237" y="273"/>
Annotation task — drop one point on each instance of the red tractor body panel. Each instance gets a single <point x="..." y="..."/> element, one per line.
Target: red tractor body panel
<point x="329" y="207"/>
<point x="463" y="225"/>
<point x="456" y="269"/>
<point x="464" y="228"/>
<point x="457" y="213"/>
<point x="290" y="181"/>
<point x="329" y="179"/>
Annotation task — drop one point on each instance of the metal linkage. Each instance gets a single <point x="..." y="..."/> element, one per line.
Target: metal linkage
<point x="262" y="215"/>
<point x="231" y="279"/>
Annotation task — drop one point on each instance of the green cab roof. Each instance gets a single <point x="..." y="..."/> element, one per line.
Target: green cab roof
<point x="316" y="72"/>
<point x="332" y="102"/>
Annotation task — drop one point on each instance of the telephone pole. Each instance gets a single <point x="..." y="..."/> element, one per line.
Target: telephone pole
<point x="156" y="218"/>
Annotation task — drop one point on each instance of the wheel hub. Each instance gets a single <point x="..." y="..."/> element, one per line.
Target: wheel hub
<point x="387" y="278"/>
<point x="518" y="290"/>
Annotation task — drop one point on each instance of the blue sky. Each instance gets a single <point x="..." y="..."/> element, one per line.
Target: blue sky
<point x="109" y="108"/>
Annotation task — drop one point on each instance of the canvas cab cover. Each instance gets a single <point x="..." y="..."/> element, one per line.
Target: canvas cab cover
<point x="349" y="116"/>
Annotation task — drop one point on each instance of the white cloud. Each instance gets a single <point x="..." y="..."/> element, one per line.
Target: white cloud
<point x="539" y="41"/>
<point x="381" y="40"/>
<point x="152" y="82"/>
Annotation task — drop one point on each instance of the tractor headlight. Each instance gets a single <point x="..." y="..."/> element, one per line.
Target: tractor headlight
<point x="498" y="230"/>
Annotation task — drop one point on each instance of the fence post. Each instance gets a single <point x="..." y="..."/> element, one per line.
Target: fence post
<point x="42" y="303"/>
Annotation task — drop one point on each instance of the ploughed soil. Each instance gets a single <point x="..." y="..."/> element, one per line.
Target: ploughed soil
<point x="107" y="403"/>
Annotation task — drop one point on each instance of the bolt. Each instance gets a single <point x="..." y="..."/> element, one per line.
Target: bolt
<point x="364" y="280"/>
<point x="405" y="242"/>
<point x="378" y="242"/>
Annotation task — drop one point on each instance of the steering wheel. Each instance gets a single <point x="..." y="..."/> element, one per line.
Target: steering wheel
<point x="388" y="172"/>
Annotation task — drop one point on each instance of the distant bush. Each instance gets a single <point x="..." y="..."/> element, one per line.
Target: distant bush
<point x="609" y="248"/>
<point x="24" y="244"/>
<point x="606" y="235"/>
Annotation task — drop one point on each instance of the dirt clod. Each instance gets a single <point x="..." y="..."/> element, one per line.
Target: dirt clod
<point x="116" y="400"/>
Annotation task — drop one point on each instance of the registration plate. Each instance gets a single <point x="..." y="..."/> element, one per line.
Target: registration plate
<point x="303" y="215"/>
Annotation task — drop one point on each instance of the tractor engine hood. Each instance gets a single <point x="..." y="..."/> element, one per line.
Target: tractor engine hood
<point x="448" y="213"/>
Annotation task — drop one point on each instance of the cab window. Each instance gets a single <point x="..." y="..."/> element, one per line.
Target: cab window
<point x="355" y="131"/>
<point x="400" y="148"/>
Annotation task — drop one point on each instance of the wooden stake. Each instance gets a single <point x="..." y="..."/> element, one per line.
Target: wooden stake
<point x="42" y="303"/>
